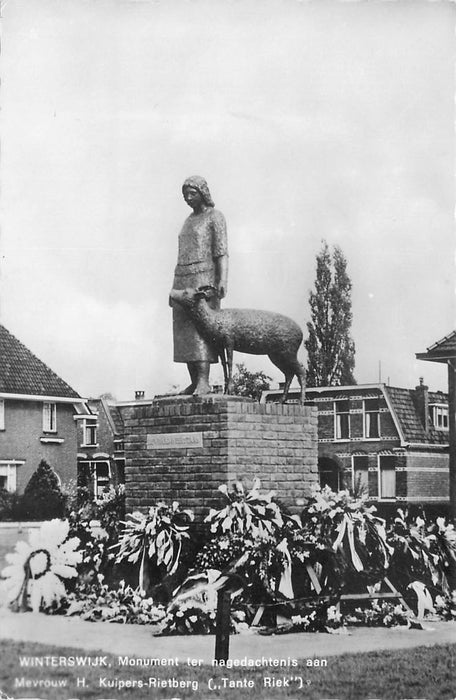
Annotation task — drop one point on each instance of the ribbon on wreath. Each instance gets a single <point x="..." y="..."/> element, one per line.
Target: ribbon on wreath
<point x="346" y="527"/>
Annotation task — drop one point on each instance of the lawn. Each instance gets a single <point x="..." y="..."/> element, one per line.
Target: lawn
<point x="423" y="672"/>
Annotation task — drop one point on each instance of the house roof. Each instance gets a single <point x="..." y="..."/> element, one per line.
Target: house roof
<point x="441" y="351"/>
<point x="21" y="372"/>
<point x="405" y="409"/>
<point x="402" y="403"/>
<point x="116" y="418"/>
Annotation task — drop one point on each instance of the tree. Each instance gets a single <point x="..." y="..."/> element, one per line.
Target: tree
<point x="248" y="383"/>
<point x="42" y="498"/>
<point x="330" y="348"/>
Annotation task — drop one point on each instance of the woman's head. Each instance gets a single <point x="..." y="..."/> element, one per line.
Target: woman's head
<point x="200" y="185"/>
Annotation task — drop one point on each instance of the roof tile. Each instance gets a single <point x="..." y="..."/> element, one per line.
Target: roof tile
<point x="21" y="372"/>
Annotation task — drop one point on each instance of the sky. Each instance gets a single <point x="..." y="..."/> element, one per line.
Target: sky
<point x="310" y="120"/>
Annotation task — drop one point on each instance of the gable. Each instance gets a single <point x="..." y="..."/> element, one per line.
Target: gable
<point x="441" y="351"/>
<point x="21" y="372"/>
<point x="401" y="401"/>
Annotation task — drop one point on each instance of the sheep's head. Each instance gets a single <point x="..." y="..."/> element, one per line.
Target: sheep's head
<point x="190" y="297"/>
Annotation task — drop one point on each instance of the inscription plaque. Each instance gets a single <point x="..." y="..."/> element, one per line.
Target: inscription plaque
<point x="174" y="441"/>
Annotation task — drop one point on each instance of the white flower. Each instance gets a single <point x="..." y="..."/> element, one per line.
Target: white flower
<point x="47" y="558"/>
<point x="333" y="614"/>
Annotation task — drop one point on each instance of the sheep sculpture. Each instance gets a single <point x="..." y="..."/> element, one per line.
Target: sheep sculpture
<point x="245" y="330"/>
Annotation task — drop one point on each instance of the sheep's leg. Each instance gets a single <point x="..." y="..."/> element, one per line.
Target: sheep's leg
<point x="290" y="366"/>
<point x="288" y="377"/>
<point x="222" y="356"/>
<point x="229" y="362"/>
<point x="301" y="375"/>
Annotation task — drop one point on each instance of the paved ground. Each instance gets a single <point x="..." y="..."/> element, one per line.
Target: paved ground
<point x="138" y="640"/>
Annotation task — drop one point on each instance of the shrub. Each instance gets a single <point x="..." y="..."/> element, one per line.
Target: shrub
<point x="8" y="505"/>
<point x="42" y="498"/>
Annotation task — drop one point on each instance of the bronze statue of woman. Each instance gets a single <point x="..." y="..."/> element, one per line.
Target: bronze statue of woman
<point x="202" y="260"/>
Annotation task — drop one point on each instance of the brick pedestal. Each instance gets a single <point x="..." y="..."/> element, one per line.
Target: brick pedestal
<point x="182" y="448"/>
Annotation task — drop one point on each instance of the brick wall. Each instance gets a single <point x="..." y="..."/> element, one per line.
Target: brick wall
<point x="428" y="477"/>
<point x="241" y="439"/>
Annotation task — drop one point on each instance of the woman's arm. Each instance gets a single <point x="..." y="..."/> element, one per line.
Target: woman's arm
<point x="221" y="275"/>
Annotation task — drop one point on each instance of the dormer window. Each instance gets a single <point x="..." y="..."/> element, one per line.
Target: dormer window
<point x="439" y="414"/>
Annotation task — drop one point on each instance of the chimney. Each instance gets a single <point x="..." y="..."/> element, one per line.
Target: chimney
<point x="421" y="400"/>
<point x="139" y="395"/>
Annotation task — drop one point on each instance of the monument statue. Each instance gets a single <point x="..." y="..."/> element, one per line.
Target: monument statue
<point x="202" y="260"/>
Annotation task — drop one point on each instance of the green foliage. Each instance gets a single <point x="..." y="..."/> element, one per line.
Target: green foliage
<point x="344" y="538"/>
<point x="98" y="602"/>
<point x="154" y="540"/>
<point x="330" y="348"/>
<point x="445" y="606"/>
<point x="315" y="617"/>
<point x="422" y="551"/>
<point x="258" y="552"/>
<point x="189" y="619"/>
<point x="97" y="524"/>
<point x="248" y="542"/>
<point x="42" y="498"/>
<point x="380" y="614"/>
<point x="9" y="504"/>
<point x="246" y="513"/>
<point x="251" y="384"/>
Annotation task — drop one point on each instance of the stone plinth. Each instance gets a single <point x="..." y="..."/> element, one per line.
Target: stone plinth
<point x="182" y="448"/>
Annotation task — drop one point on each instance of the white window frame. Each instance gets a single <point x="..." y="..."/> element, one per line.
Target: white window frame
<point x="364" y="457"/>
<point x="381" y="497"/>
<point x="92" y="464"/>
<point x="440" y="414"/>
<point x="2" y="414"/>
<point x="337" y="423"/>
<point x="9" y="469"/>
<point x="119" y="445"/>
<point x="86" y="424"/>
<point x="95" y="476"/>
<point x="366" y="419"/>
<point x="49" y="417"/>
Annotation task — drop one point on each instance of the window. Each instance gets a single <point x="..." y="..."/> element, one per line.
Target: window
<point x="8" y="475"/>
<point x="49" y="418"/>
<point x="89" y="432"/>
<point x="2" y="414"/>
<point x="342" y="417"/>
<point x="96" y="475"/>
<point x="360" y="475"/>
<point x="101" y="478"/>
<point x="329" y="473"/>
<point x="439" y="416"/>
<point x="386" y="477"/>
<point x="119" y="445"/>
<point x="371" y="419"/>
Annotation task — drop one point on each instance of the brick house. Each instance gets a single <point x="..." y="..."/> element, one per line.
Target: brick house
<point x="388" y="442"/>
<point x="444" y="353"/>
<point x="36" y="417"/>
<point x="101" y="460"/>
